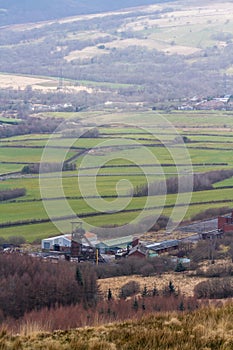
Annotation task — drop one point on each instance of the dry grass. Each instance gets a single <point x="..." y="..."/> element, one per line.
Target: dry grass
<point x="37" y="83"/>
<point x="207" y="328"/>
<point x="181" y="281"/>
<point x="33" y="328"/>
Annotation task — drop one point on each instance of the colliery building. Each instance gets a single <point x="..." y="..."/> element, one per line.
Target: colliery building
<point x="225" y="223"/>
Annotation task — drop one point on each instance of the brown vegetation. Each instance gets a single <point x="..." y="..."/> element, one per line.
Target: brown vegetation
<point x="31" y="284"/>
<point x="11" y="194"/>
<point x="206" y="328"/>
<point x="210" y="213"/>
<point x="182" y="282"/>
<point x="66" y="317"/>
<point x="30" y="126"/>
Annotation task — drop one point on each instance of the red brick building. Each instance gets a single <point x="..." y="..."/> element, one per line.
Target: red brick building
<point x="225" y="223"/>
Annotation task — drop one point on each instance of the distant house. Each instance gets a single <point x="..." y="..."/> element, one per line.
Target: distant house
<point x="140" y="251"/>
<point x="215" y="104"/>
<point x="224" y="99"/>
<point x="185" y="108"/>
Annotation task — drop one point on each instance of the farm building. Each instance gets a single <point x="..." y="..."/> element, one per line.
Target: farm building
<point x="112" y="245"/>
<point x="153" y="249"/>
<point x="225" y="223"/>
<point x="164" y="246"/>
<point x="139" y="251"/>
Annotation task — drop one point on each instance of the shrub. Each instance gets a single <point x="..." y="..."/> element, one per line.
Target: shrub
<point x="129" y="289"/>
<point x="157" y="225"/>
<point x="11" y="194"/>
<point x="180" y="267"/>
<point x="217" y="271"/>
<point x="16" y="240"/>
<point x="217" y="288"/>
<point x="211" y="212"/>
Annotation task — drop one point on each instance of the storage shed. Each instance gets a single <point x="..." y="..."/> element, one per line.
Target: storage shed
<point x="56" y="243"/>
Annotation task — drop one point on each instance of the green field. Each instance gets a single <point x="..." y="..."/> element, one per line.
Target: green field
<point x="129" y="159"/>
<point x="4" y="120"/>
<point x="9" y="168"/>
<point x="26" y="155"/>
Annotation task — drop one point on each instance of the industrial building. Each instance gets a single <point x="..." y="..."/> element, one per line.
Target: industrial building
<point x="63" y="242"/>
<point x="113" y="245"/>
<point x="225" y="223"/>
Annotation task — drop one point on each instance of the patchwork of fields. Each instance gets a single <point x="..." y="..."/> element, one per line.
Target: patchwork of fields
<point x="122" y="157"/>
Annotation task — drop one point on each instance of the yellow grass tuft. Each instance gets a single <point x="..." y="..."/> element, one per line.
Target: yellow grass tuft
<point x="173" y="322"/>
<point x="31" y="329"/>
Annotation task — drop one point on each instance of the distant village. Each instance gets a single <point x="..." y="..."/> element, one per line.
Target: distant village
<point x="224" y="103"/>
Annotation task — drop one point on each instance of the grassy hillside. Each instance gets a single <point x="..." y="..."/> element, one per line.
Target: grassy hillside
<point x="204" y="329"/>
<point x="30" y="11"/>
<point x="186" y="50"/>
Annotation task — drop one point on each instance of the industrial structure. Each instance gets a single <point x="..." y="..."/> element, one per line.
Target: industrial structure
<point x="225" y="223"/>
<point x="81" y="248"/>
<point x="79" y="245"/>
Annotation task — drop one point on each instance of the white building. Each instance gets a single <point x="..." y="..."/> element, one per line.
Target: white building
<point x="64" y="241"/>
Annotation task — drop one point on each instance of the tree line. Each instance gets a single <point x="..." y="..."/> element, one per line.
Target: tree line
<point x="30" y="284"/>
<point x="12" y="193"/>
<point x="30" y="126"/>
<point x="201" y="182"/>
<point x="36" y="168"/>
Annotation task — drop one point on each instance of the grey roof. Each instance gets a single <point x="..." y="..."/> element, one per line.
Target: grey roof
<point x="115" y="242"/>
<point x="140" y="248"/>
<point x="163" y="245"/>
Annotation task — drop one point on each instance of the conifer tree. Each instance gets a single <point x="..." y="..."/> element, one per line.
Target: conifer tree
<point x="79" y="277"/>
<point x="109" y="294"/>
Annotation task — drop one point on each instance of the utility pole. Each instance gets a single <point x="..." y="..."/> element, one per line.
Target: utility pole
<point x="212" y="247"/>
<point x="97" y="256"/>
<point x="60" y="83"/>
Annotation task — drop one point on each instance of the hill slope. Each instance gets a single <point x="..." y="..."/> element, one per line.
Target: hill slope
<point x="14" y="11"/>
<point x="205" y="329"/>
<point x="186" y="50"/>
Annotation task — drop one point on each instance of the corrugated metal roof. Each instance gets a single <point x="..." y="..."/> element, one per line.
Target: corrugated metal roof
<point x="117" y="241"/>
<point x="68" y="237"/>
<point x="163" y="245"/>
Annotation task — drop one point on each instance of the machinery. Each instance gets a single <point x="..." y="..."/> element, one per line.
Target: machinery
<point x="81" y="248"/>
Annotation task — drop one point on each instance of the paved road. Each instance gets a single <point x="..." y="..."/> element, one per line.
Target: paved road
<point x="198" y="227"/>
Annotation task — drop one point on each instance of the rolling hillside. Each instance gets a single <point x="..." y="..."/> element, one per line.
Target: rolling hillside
<point x="186" y="50"/>
<point x="23" y="11"/>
